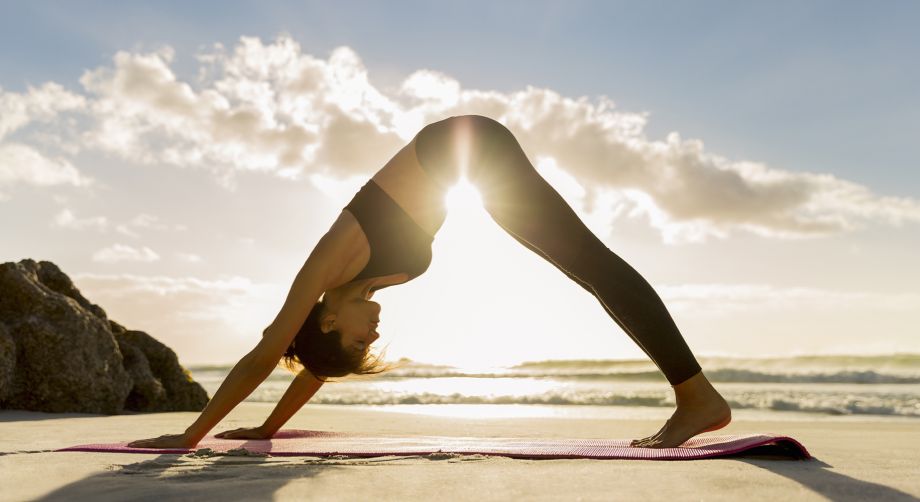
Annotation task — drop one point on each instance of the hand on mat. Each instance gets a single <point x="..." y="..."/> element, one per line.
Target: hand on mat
<point x="164" y="441"/>
<point x="245" y="433"/>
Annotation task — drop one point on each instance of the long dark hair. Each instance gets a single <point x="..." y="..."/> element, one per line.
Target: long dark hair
<point x="322" y="354"/>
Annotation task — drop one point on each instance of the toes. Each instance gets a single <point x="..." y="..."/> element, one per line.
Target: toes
<point x="637" y="442"/>
<point x="643" y="443"/>
<point x="640" y="442"/>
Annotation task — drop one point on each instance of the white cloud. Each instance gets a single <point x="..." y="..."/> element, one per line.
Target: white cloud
<point x="153" y="222"/>
<point x="684" y="191"/>
<point x="432" y="88"/>
<point x="23" y="164"/>
<point x="67" y="219"/>
<point x="759" y="319"/>
<point x="271" y="107"/>
<point x="121" y="252"/>
<point x="147" y="221"/>
<point x="188" y="257"/>
<point x="43" y="103"/>
<point x="218" y="320"/>
<point x="719" y="299"/>
<point x="126" y="230"/>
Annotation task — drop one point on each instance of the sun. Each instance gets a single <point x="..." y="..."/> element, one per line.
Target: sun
<point x="463" y="198"/>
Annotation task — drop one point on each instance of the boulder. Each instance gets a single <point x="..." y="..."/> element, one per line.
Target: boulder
<point x="7" y="361"/>
<point x="60" y="353"/>
<point x="160" y="382"/>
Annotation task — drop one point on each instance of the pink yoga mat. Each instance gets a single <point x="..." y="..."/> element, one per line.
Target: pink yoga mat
<point x="294" y="442"/>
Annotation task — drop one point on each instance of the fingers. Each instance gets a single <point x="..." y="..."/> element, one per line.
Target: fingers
<point x="240" y="433"/>
<point x="156" y="442"/>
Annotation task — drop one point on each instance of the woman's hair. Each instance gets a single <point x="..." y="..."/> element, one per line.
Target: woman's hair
<point x="322" y="354"/>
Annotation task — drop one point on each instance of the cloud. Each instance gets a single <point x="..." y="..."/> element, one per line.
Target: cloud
<point x="761" y="319"/>
<point x="188" y="257"/>
<point x="22" y="164"/>
<point x="67" y="219"/>
<point x="272" y="108"/>
<point x="431" y="87"/>
<point x="144" y="220"/>
<point x="37" y="104"/>
<point x="126" y="230"/>
<point x="121" y="252"/>
<point x="686" y="192"/>
<point x="719" y="299"/>
<point x="218" y="319"/>
<point x="147" y="221"/>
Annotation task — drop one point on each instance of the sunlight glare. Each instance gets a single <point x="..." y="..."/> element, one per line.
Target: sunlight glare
<point x="464" y="140"/>
<point x="463" y="197"/>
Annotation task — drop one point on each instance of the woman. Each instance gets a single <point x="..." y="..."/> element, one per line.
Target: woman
<point x="383" y="237"/>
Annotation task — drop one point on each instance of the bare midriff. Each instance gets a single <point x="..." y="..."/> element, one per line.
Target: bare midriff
<point x="404" y="180"/>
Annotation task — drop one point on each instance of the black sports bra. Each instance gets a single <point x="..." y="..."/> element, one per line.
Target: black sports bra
<point x="398" y="244"/>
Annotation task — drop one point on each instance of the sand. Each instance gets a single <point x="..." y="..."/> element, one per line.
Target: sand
<point x="855" y="460"/>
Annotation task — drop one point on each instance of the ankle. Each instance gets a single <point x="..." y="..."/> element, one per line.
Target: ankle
<point x="696" y="389"/>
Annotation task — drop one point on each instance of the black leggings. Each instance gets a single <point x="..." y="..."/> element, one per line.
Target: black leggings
<point x="531" y="211"/>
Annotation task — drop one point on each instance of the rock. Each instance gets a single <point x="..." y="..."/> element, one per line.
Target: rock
<point x="7" y="361"/>
<point x="243" y="452"/>
<point x="60" y="353"/>
<point x="160" y="382"/>
<point x="66" y="357"/>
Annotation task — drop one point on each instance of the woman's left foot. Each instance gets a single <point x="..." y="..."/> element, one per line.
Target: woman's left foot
<point x="700" y="408"/>
<point x="686" y="422"/>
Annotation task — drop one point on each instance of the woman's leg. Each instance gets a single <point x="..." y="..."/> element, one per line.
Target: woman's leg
<point x="532" y="212"/>
<point x="528" y="208"/>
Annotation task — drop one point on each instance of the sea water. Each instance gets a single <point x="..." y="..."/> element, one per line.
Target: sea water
<point x="803" y="387"/>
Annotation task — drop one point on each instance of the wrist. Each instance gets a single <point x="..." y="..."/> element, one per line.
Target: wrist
<point x="193" y="435"/>
<point x="189" y="440"/>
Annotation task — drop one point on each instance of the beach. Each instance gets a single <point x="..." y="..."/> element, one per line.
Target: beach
<point x="855" y="458"/>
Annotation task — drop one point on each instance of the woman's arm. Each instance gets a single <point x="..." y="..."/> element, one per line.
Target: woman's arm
<point x="242" y="380"/>
<point x="298" y="394"/>
<point x="322" y="270"/>
<point x="245" y="376"/>
<point x="300" y="391"/>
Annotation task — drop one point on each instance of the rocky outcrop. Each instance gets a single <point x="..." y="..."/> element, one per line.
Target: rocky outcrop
<point x="160" y="382"/>
<point x="61" y="353"/>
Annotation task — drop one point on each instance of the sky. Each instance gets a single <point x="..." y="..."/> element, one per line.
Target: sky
<point x="757" y="163"/>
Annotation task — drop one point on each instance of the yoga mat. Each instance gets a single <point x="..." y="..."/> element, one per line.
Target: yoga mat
<point x="295" y="442"/>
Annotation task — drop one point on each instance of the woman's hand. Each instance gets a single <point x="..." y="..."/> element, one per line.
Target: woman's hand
<point x="245" y="433"/>
<point x="164" y="441"/>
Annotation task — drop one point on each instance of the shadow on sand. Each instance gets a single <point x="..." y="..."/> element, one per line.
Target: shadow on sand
<point x="815" y="475"/>
<point x="178" y="476"/>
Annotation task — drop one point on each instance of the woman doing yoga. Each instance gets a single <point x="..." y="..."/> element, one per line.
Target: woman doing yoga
<point x="383" y="237"/>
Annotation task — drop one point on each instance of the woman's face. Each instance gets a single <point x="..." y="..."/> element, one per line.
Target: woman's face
<point x="356" y="319"/>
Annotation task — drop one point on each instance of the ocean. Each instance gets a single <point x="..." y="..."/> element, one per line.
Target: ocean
<point x="801" y="387"/>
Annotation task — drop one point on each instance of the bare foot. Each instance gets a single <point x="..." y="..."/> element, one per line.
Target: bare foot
<point x="700" y="408"/>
